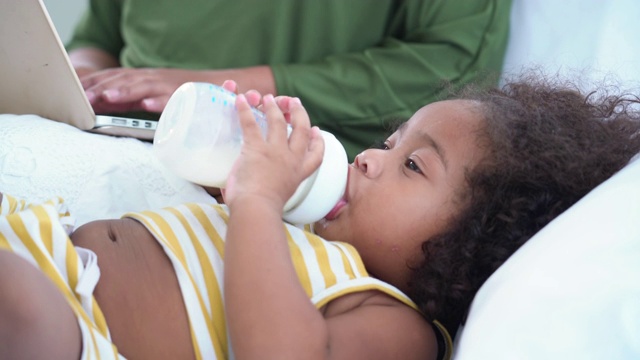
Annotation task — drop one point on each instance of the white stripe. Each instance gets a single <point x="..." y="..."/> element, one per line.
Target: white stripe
<point x="189" y="294"/>
<point x="17" y="246"/>
<point x="60" y="252"/>
<point x="363" y="281"/>
<point x="309" y="257"/>
<point x="206" y="240"/>
<point x="216" y="220"/>
<point x="212" y="256"/>
<point x="352" y="261"/>
<point x="5" y="206"/>
<point x="88" y="279"/>
<point x="335" y="261"/>
<point x="191" y="255"/>
<point x="104" y="346"/>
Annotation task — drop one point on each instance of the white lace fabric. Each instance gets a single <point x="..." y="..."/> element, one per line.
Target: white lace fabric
<point x="99" y="176"/>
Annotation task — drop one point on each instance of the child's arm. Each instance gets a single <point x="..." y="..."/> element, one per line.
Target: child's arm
<point x="266" y="306"/>
<point x="269" y="314"/>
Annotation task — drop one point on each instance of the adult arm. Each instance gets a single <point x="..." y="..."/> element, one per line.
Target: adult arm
<point x="88" y="60"/>
<point x="95" y="50"/>
<point x="354" y="95"/>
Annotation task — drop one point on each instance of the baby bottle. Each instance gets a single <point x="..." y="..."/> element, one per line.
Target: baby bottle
<point x="199" y="137"/>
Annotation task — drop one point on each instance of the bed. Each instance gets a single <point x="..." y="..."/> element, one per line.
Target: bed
<point x="572" y="292"/>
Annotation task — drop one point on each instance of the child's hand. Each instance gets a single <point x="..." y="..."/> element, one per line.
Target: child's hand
<point x="253" y="98"/>
<point x="271" y="169"/>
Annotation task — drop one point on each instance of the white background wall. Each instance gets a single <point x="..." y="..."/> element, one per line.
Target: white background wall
<point x="65" y="14"/>
<point x="592" y="39"/>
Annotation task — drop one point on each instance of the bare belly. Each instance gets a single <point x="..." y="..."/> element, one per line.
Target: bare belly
<point x="138" y="291"/>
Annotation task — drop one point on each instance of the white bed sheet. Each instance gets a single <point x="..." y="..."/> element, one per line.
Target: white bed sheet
<point x="99" y="176"/>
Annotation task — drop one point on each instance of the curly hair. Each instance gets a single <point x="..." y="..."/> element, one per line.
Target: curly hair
<point x="548" y="146"/>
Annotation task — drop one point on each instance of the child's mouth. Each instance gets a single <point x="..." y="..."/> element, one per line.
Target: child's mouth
<point x="334" y="212"/>
<point x="341" y="203"/>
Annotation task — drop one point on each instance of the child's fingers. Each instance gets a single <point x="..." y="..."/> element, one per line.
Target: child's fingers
<point x="300" y="136"/>
<point x="277" y="126"/>
<point x="253" y="97"/>
<point x="283" y="103"/>
<point x="315" y="152"/>
<point x="299" y="116"/>
<point x="250" y="128"/>
<point x="230" y="85"/>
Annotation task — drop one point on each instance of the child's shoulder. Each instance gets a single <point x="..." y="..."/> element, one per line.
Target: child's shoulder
<point x="383" y="323"/>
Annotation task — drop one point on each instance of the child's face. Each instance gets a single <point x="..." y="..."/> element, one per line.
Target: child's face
<point x="403" y="194"/>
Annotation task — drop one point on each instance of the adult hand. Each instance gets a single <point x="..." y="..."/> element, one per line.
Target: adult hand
<point x="83" y="72"/>
<point x="120" y="89"/>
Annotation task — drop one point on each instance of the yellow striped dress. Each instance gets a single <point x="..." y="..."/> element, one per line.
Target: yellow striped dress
<point x="39" y="234"/>
<point x="192" y="236"/>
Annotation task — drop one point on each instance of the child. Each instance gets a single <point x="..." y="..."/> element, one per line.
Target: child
<point x="431" y="213"/>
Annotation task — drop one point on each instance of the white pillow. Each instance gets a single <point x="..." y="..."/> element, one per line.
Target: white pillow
<point x="572" y="291"/>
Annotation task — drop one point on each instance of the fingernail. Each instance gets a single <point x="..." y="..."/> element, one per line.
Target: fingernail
<point x="149" y="103"/>
<point x="91" y="96"/>
<point x="111" y="94"/>
<point x="268" y="98"/>
<point x="241" y="99"/>
<point x="296" y="101"/>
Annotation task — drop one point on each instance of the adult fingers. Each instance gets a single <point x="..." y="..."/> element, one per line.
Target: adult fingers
<point x="155" y="104"/>
<point x="90" y="79"/>
<point x="123" y="90"/>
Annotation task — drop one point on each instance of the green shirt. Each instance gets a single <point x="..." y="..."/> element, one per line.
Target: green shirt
<point x="357" y="65"/>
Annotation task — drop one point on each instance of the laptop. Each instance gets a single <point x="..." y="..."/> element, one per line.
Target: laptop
<point x="36" y="76"/>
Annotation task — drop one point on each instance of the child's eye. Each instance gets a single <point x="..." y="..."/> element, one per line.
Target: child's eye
<point x="381" y="145"/>
<point x="411" y="165"/>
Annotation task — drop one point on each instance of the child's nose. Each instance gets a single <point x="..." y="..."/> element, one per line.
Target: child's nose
<point x="368" y="163"/>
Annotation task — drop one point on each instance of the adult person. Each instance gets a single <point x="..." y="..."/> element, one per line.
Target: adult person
<point x="356" y="65"/>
